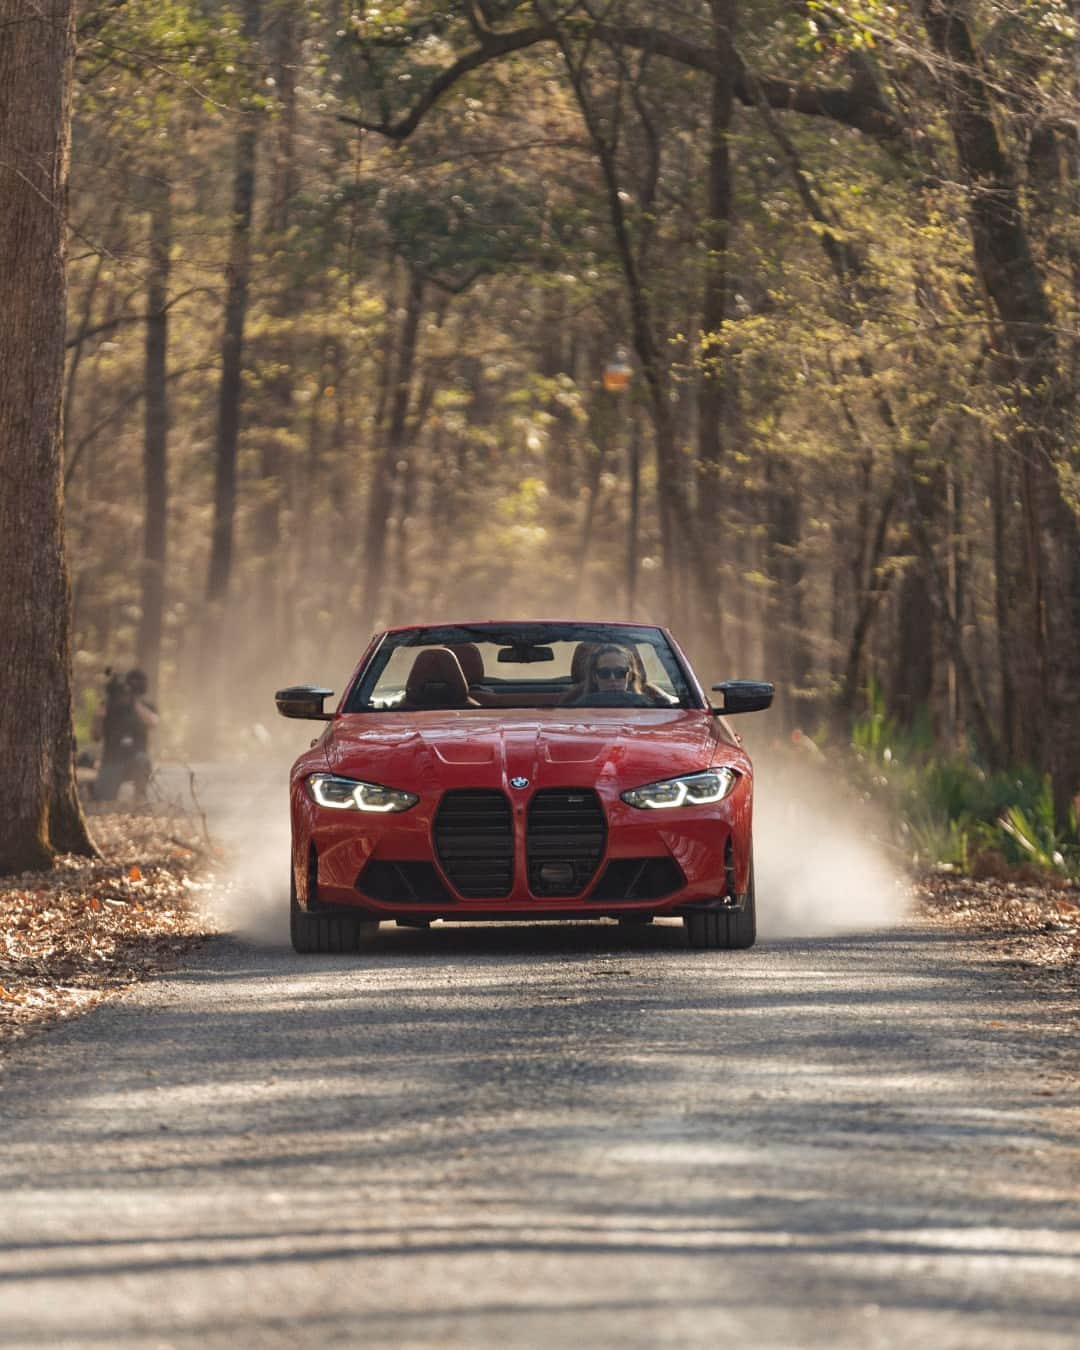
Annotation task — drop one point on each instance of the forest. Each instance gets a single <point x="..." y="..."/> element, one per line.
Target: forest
<point x="756" y="320"/>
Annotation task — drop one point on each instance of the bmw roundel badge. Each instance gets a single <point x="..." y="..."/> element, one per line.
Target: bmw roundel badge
<point x="519" y="782"/>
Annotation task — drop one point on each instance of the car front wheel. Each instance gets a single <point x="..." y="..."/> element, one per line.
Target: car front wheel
<point x="724" y="929"/>
<point x="324" y="932"/>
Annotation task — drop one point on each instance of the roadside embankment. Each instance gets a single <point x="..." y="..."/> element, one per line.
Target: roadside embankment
<point x="90" y="927"/>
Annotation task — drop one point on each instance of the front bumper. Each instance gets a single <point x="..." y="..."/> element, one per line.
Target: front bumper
<point x="396" y="865"/>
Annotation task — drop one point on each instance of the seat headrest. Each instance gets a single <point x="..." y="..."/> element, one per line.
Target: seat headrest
<point x="436" y="680"/>
<point x="470" y="660"/>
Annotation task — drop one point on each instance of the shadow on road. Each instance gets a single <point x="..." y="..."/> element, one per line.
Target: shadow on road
<point x="429" y="1133"/>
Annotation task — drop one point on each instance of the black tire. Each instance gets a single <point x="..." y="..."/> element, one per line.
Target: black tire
<point x="717" y="929"/>
<point x="325" y="932"/>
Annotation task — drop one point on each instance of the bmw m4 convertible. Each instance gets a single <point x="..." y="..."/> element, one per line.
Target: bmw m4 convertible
<point x="501" y="771"/>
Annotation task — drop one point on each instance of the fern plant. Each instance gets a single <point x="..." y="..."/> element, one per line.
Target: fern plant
<point x="950" y="808"/>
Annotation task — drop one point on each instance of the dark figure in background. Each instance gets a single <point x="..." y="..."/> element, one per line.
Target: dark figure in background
<point x="122" y="723"/>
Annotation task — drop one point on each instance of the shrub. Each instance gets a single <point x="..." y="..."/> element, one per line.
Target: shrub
<point x="949" y="809"/>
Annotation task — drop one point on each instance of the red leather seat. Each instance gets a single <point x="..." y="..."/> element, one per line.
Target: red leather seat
<point x="470" y="660"/>
<point x="437" y="681"/>
<point x="472" y="666"/>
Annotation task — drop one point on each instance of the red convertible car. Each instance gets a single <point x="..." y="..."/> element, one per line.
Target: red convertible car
<point x="497" y="771"/>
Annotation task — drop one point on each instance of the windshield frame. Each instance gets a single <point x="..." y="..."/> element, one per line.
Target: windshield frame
<point x="355" y="699"/>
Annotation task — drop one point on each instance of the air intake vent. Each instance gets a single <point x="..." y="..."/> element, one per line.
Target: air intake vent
<point x="565" y="838"/>
<point x="474" y="841"/>
<point x="639" y="879"/>
<point x="401" y="883"/>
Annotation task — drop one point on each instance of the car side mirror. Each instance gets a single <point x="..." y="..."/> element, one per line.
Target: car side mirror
<point x="304" y="700"/>
<point x="744" y="696"/>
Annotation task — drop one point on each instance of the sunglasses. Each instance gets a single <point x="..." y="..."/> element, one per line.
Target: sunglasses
<point x="612" y="672"/>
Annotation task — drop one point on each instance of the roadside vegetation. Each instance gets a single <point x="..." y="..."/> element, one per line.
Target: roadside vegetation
<point x="953" y="812"/>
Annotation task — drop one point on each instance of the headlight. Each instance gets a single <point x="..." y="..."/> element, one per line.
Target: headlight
<point x="695" y="789"/>
<point x="346" y="794"/>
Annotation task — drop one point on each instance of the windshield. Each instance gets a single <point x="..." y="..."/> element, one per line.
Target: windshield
<point x="526" y="665"/>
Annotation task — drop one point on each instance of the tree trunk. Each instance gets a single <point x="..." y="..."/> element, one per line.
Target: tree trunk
<point x="342" y="540"/>
<point x="1003" y="597"/>
<point x="238" y="273"/>
<point x="554" y="367"/>
<point x="787" y="645"/>
<point x="871" y="588"/>
<point x="237" y="276"/>
<point x="382" y="491"/>
<point x="277" y="354"/>
<point x="713" y="382"/>
<point x="913" y="672"/>
<point x="942" y="597"/>
<point x="604" y="420"/>
<point x="633" y="524"/>
<point x="39" y="808"/>
<point x="78" y="347"/>
<point x="411" y="483"/>
<point x="156" y="432"/>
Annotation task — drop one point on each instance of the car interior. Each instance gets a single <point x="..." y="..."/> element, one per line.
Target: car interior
<point x="512" y="674"/>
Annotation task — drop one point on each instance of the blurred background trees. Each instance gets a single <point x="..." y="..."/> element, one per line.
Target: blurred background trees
<point x="345" y="281"/>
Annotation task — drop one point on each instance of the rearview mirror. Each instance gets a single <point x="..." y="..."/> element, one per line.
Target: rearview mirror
<point x="744" y="696"/>
<point x="524" y="653"/>
<point x="304" y="700"/>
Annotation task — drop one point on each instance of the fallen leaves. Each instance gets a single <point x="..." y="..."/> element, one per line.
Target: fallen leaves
<point x="1034" y="928"/>
<point x="70" y="936"/>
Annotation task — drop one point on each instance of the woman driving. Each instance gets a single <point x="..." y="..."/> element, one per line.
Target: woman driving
<point x="614" y="676"/>
<point x="613" y="669"/>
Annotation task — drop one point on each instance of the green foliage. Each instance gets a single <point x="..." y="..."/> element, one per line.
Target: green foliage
<point x="949" y="808"/>
<point x="464" y="228"/>
<point x="1034" y="834"/>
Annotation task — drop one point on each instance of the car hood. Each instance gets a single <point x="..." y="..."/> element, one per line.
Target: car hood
<point x="473" y="748"/>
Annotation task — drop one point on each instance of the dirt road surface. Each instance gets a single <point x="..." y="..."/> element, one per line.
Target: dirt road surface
<point x="547" y="1136"/>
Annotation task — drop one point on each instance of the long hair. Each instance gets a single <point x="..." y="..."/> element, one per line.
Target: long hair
<point x="635" y="681"/>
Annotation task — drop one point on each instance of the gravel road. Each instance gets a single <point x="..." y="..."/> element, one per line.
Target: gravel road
<point x="550" y="1135"/>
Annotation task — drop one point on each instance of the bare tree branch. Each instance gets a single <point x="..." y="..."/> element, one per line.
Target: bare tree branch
<point x="857" y="105"/>
<point x="121" y="320"/>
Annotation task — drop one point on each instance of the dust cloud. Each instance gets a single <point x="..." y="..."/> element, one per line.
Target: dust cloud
<point x="821" y="861"/>
<point x="821" y="866"/>
<point x="254" y="903"/>
<point x="244" y="808"/>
